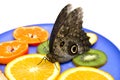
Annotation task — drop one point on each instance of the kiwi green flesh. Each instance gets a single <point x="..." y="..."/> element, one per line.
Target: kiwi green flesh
<point x="92" y="58"/>
<point x="43" y="48"/>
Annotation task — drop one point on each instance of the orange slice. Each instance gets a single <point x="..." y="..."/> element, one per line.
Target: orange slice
<point x="28" y="67"/>
<point x="85" y="73"/>
<point x="32" y="35"/>
<point x="12" y="49"/>
<point x="2" y="76"/>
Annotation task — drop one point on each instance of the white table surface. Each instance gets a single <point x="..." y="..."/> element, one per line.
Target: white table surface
<point x="101" y="16"/>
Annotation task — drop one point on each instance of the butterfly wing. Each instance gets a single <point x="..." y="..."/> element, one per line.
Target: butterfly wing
<point x="59" y="21"/>
<point x="69" y="39"/>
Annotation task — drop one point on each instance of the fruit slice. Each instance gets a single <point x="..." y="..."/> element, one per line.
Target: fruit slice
<point x="2" y="76"/>
<point x="32" y="67"/>
<point x="93" y="37"/>
<point x="43" y="48"/>
<point x="32" y="35"/>
<point x="85" y="73"/>
<point x="93" y="58"/>
<point x="12" y="49"/>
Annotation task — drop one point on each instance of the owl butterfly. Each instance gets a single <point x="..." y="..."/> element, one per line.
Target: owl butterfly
<point x="67" y="38"/>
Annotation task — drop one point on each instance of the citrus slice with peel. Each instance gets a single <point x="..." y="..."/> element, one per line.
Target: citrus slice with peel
<point x="11" y="49"/>
<point x="2" y="76"/>
<point x="85" y="73"/>
<point x="32" y="67"/>
<point x="32" y="35"/>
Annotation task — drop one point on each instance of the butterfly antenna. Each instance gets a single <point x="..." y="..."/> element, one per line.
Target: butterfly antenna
<point x="44" y="58"/>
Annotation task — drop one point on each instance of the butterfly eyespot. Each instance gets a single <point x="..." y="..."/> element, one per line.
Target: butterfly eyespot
<point x="74" y="49"/>
<point x="62" y="44"/>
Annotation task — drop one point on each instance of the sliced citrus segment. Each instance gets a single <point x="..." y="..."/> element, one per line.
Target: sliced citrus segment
<point x="32" y="67"/>
<point x="12" y="49"/>
<point x="32" y="35"/>
<point x="85" y="73"/>
<point x="2" y="76"/>
<point x="93" y="37"/>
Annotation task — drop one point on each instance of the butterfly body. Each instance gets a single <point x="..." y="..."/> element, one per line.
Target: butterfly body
<point x="67" y="38"/>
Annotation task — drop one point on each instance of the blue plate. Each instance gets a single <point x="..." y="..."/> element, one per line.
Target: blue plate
<point x="112" y="52"/>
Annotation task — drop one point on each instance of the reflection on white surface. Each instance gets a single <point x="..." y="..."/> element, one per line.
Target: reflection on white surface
<point x="101" y="16"/>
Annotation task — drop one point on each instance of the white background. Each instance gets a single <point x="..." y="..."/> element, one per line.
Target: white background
<point x="101" y="16"/>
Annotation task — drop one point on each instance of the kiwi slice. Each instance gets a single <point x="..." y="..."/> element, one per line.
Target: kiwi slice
<point x="43" y="48"/>
<point x="92" y="58"/>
